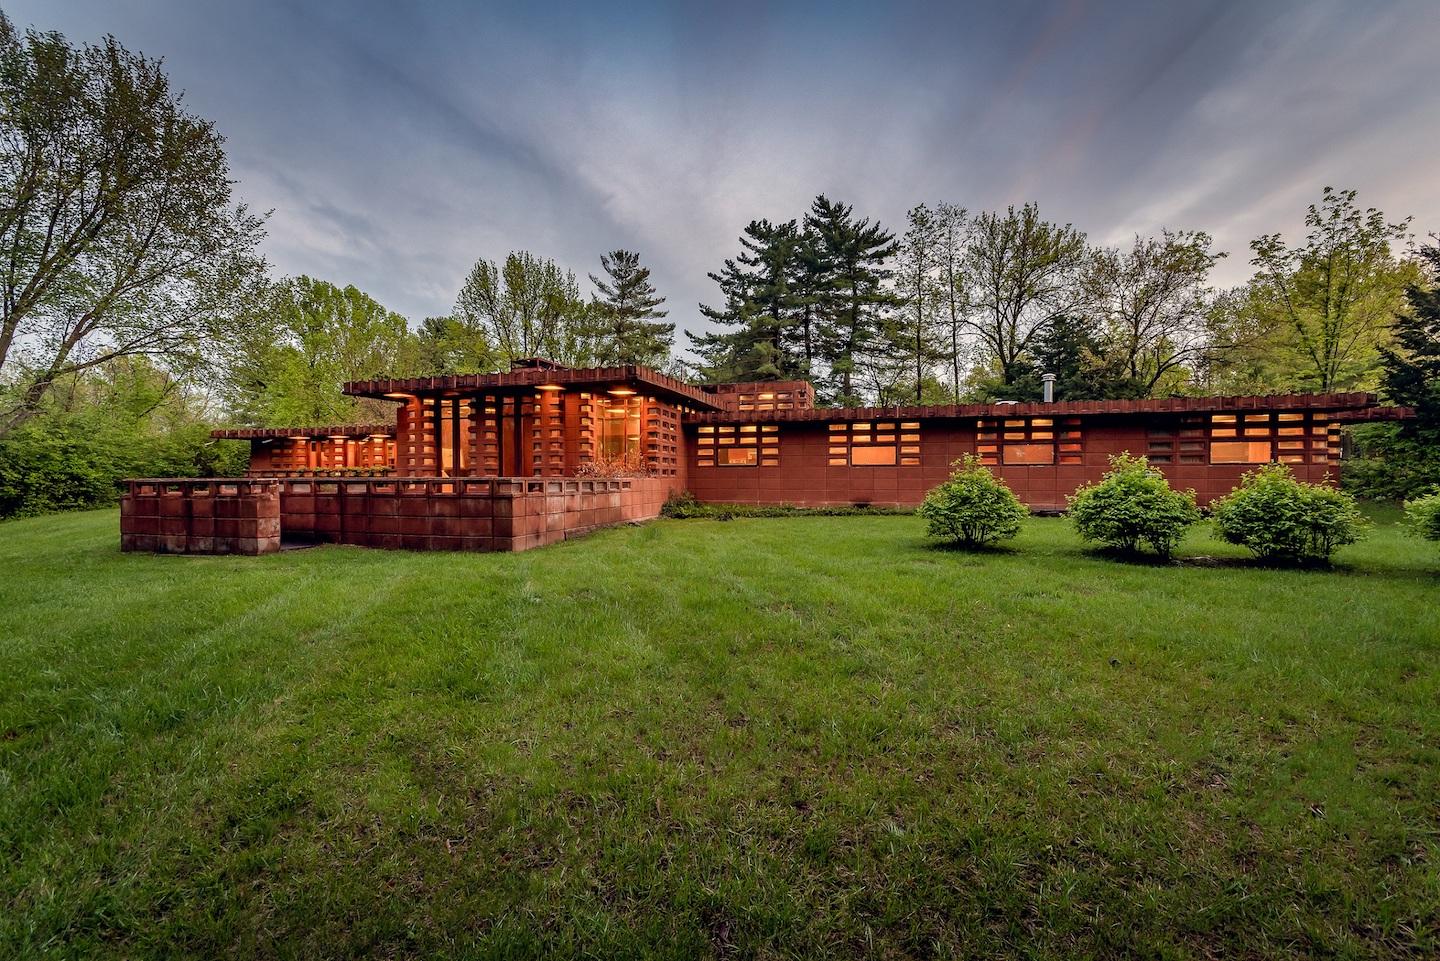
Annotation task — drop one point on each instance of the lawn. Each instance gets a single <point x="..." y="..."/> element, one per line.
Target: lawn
<point x="755" y="738"/>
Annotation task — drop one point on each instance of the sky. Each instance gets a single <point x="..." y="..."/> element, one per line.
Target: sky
<point x="395" y="144"/>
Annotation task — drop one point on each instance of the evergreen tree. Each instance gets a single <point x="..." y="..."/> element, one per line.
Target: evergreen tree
<point x="626" y="314"/>
<point x="857" y="253"/>
<point x="810" y="278"/>
<point x="1411" y="366"/>
<point x="759" y="309"/>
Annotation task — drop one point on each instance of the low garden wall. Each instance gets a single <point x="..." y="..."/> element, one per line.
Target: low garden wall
<point x="412" y="513"/>
<point x="186" y="516"/>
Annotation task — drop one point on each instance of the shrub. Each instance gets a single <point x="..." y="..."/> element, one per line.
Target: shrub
<point x="1423" y="514"/>
<point x="1388" y="463"/>
<point x="1284" y="519"/>
<point x="1131" y="506"/>
<point x="972" y="507"/>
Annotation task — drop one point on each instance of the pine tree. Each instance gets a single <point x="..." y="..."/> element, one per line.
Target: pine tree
<point x="759" y="307"/>
<point x="857" y="254"/>
<point x="1411" y="365"/>
<point x="626" y="314"/>
<point x="810" y="279"/>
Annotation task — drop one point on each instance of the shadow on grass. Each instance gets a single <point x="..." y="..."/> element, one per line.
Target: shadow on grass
<point x="976" y="550"/>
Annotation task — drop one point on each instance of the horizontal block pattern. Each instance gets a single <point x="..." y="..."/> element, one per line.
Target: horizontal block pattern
<point x="805" y="477"/>
<point x="191" y="516"/>
<point x="483" y="514"/>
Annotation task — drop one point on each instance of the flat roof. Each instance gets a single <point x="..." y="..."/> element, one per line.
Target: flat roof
<point x="525" y="379"/>
<point x="332" y="430"/>
<point x="1356" y="401"/>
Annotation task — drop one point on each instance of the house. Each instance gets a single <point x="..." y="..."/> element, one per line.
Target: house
<point x="513" y="460"/>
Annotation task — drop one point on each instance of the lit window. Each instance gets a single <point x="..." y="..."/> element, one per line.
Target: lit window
<point x="875" y="456"/>
<point x="855" y="445"/>
<point x="739" y="457"/>
<point x="1029" y="453"/>
<point x="740" y="447"/>
<point x="1240" y="452"/>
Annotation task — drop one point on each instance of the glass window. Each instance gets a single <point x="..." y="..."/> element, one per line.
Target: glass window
<point x="739" y="457"/>
<point x="873" y="456"/>
<point x="1240" y="452"/>
<point x="1029" y="453"/>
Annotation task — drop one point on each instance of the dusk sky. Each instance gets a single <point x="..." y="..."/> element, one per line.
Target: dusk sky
<point x="396" y="146"/>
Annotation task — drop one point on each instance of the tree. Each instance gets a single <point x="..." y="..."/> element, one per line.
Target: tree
<point x="1411" y="364"/>
<point x="527" y="307"/>
<point x="759" y="309"/>
<point x="912" y="334"/>
<point x="117" y="233"/>
<point x="310" y="337"/>
<point x="950" y="238"/>
<point x="857" y="253"/>
<point x="1153" y="303"/>
<point x="1334" y="296"/>
<point x="1403" y="460"/>
<point x="809" y="279"/>
<point x="627" y="314"/>
<point x="447" y="345"/>
<point x="1021" y="272"/>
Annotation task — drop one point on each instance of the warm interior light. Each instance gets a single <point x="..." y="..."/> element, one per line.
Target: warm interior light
<point x="548" y="387"/>
<point x="621" y="392"/>
<point x="399" y="396"/>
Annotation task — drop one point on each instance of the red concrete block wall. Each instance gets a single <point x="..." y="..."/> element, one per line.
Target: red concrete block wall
<point x="201" y="516"/>
<point x="479" y="514"/>
<point x="805" y="477"/>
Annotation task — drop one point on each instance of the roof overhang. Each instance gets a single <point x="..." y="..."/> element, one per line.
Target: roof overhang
<point x="1351" y="406"/>
<point x="527" y="380"/>
<point x="349" y="431"/>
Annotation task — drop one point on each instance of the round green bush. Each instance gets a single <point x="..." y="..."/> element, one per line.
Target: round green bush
<point x="1133" y="505"/>
<point x="973" y="507"/>
<point x="1423" y="514"/>
<point x="1283" y="519"/>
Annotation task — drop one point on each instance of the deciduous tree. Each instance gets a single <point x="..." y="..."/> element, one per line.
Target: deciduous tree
<point x="1333" y="298"/>
<point x="1021" y="272"/>
<point x="912" y="335"/>
<point x="309" y="337"/>
<point x="526" y="307"/>
<point x="1152" y="302"/>
<point x="117" y="232"/>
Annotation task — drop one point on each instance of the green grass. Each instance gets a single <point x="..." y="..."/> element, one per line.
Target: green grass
<point x="757" y="738"/>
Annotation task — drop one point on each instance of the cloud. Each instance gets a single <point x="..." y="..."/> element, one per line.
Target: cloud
<point x="396" y="145"/>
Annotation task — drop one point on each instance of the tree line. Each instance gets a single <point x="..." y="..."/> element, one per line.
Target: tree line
<point x="961" y="307"/>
